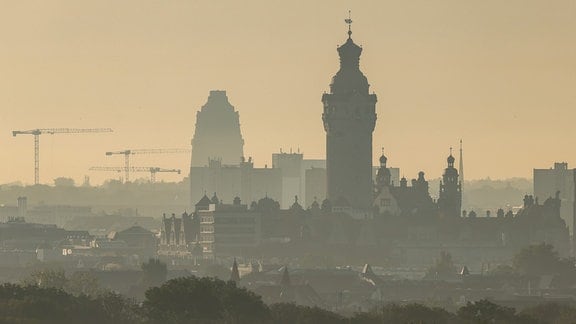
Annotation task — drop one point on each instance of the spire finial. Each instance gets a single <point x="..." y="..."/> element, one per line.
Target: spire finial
<point x="450" y="150"/>
<point x="349" y="22"/>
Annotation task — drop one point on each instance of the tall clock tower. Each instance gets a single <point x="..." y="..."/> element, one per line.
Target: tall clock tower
<point x="349" y="118"/>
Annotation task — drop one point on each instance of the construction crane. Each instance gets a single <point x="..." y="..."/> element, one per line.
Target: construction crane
<point x="127" y="154"/>
<point x="152" y="170"/>
<point x="39" y="131"/>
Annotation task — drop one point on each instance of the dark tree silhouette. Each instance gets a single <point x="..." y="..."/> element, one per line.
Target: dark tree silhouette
<point x="484" y="311"/>
<point x="33" y="304"/>
<point x="191" y="300"/>
<point x="119" y="309"/>
<point x="284" y="313"/>
<point x="410" y="313"/>
<point x="551" y="313"/>
<point x="154" y="273"/>
<point x="82" y="283"/>
<point x="537" y="260"/>
<point x="47" y="278"/>
<point x="542" y="259"/>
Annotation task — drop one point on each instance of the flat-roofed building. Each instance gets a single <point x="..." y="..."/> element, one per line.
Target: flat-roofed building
<point x="229" y="229"/>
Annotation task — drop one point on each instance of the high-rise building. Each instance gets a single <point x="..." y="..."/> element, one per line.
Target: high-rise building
<point x="217" y="134"/>
<point x="349" y="118"/>
<point x="561" y="180"/>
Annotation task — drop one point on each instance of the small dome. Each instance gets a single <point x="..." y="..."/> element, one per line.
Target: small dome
<point x="315" y="205"/>
<point x="349" y="49"/>
<point x="451" y="159"/>
<point x="403" y="182"/>
<point x="296" y="205"/>
<point x="383" y="159"/>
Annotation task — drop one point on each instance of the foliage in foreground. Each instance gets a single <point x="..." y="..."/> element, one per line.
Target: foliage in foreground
<point x="209" y="300"/>
<point x="203" y="300"/>
<point x="34" y="304"/>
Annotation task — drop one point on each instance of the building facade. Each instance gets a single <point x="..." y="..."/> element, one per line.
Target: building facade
<point x="229" y="181"/>
<point x="229" y="229"/>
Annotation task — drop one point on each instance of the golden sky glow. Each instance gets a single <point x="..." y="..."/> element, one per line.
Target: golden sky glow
<point x="501" y="75"/>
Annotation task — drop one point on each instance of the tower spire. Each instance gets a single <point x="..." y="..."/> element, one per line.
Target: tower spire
<point x="461" y="164"/>
<point x="349" y="22"/>
<point x="235" y="275"/>
<point x="461" y="168"/>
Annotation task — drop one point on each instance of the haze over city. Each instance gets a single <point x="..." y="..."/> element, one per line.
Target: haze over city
<point x="287" y="162"/>
<point x="499" y="75"/>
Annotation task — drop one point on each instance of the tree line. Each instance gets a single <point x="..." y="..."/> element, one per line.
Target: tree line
<point x="49" y="296"/>
<point x="211" y="301"/>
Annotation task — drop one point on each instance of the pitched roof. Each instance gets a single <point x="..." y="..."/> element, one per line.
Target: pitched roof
<point x="204" y="201"/>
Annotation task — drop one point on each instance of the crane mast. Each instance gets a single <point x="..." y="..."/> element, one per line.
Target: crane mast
<point x="152" y="170"/>
<point x="39" y="131"/>
<point x="127" y="153"/>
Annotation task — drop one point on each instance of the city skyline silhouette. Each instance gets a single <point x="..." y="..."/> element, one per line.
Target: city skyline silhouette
<point x="499" y="76"/>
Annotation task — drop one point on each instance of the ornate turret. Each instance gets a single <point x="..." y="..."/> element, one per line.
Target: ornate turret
<point x="383" y="175"/>
<point x="403" y="182"/>
<point x="349" y="118"/>
<point x="450" y="198"/>
<point x="421" y="184"/>
<point x="296" y="206"/>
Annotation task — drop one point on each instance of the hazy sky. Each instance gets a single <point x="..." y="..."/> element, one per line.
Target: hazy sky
<point x="501" y="75"/>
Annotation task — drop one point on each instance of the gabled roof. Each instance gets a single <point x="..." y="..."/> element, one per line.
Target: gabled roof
<point x="135" y="230"/>
<point x="204" y="201"/>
